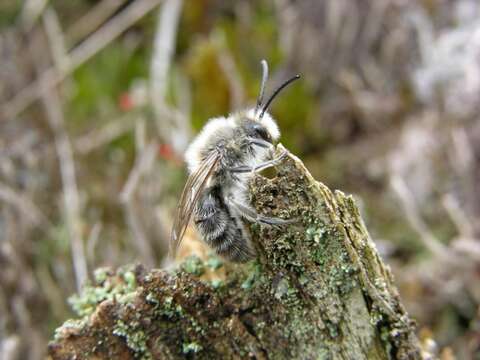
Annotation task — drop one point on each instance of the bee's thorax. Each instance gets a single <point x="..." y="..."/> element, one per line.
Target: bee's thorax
<point x="229" y="136"/>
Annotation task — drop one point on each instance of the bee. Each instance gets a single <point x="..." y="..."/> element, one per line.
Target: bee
<point x="221" y="161"/>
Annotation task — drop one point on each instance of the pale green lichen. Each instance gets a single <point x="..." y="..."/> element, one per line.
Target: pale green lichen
<point x="193" y="265"/>
<point x="303" y="280"/>
<point x="316" y="233"/>
<point x="254" y="274"/>
<point x="101" y="274"/>
<point x="68" y="326"/>
<point x="332" y="257"/>
<point x="169" y="308"/>
<point x="217" y="283"/>
<point x="376" y="316"/>
<point x="214" y="262"/>
<point x="248" y="283"/>
<point x="135" y="338"/>
<point x="287" y="294"/>
<point x="332" y="328"/>
<point x="282" y="289"/>
<point x="130" y="280"/>
<point x="85" y="303"/>
<point x="192" y="347"/>
<point x="324" y="354"/>
<point x="152" y="299"/>
<point x="108" y="288"/>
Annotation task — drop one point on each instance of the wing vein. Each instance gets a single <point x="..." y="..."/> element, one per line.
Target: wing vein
<point x="194" y="186"/>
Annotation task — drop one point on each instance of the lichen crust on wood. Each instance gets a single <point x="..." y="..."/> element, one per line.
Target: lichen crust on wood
<point x="318" y="290"/>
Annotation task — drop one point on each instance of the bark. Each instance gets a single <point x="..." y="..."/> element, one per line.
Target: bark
<point x="318" y="290"/>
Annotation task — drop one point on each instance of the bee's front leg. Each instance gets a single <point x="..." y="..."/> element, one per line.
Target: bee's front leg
<point x="259" y="167"/>
<point x="261" y="143"/>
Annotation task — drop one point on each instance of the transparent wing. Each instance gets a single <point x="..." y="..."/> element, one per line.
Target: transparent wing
<point x="196" y="182"/>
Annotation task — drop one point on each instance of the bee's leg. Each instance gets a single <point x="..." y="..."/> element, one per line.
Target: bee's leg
<point x="210" y="217"/>
<point x="259" y="167"/>
<point x="250" y="214"/>
<point x="261" y="143"/>
<point x="219" y="229"/>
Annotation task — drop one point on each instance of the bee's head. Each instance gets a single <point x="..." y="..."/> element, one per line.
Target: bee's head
<point x="264" y="129"/>
<point x="259" y="123"/>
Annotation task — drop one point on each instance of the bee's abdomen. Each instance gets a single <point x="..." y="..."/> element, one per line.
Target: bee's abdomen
<point x="220" y="229"/>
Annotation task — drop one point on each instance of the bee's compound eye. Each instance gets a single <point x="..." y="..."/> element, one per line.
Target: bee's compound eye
<point x="262" y="133"/>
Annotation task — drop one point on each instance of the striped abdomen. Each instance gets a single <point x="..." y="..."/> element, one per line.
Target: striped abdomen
<point x="219" y="229"/>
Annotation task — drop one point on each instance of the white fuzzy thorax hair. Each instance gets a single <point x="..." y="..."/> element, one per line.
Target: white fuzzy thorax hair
<point x="215" y="127"/>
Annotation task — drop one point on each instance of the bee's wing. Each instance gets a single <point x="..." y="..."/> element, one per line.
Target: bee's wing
<point x="191" y="192"/>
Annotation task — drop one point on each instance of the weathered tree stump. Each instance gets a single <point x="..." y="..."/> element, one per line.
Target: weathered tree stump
<point x="318" y="290"/>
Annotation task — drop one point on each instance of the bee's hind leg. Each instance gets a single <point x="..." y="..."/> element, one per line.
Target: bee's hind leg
<point x="259" y="167"/>
<point x="250" y="214"/>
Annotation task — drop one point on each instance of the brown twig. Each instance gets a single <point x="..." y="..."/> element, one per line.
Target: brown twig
<point x="52" y="104"/>
<point x="71" y="200"/>
<point x="143" y="164"/>
<point x="172" y="124"/>
<point x="458" y="216"/>
<point x="10" y="347"/>
<point x="99" y="137"/>
<point x="31" y="11"/>
<point x="92" y="240"/>
<point x="56" y="39"/>
<point x="414" y="218"/>
<point x="94" y="18"/>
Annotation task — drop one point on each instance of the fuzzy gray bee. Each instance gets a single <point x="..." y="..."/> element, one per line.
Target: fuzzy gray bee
<point x="221" y="161"/>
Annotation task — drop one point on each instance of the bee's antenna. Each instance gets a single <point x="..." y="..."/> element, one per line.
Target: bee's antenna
<point x="275" y="93"/>
<point x="262" y="86"/>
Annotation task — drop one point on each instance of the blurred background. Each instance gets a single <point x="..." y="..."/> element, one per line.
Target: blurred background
<point x="98" y="100"/>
